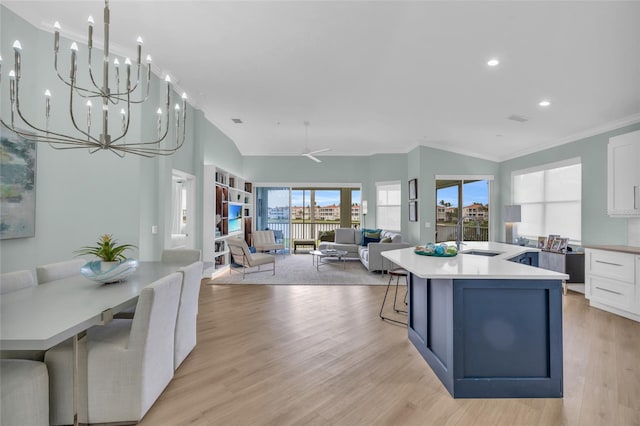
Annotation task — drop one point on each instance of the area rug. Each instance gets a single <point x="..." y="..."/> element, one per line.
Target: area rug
<point x="299" y="269"/>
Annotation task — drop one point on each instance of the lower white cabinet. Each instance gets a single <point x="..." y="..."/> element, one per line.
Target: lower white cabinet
<point x="611" y="282"/>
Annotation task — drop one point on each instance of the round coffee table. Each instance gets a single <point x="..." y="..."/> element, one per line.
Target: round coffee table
<point x="318" y="255"/>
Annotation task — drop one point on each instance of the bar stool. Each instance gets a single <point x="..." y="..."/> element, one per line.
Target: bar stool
<point x="398" y="272"/>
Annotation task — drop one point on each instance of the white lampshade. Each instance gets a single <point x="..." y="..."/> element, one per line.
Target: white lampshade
<point x="364" y="206"/>
<point x="512" y="214"/>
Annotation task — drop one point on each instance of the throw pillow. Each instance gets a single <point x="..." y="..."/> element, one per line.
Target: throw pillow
<point x="370" y="233"/>
<point x="385" y="240"/>
<point x="367" y="240"/>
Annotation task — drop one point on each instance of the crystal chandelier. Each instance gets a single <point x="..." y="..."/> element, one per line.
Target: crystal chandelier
<point x="112" y="94"/>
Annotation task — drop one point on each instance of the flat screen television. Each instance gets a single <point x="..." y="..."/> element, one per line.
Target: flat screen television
<point x="235" y="218"/>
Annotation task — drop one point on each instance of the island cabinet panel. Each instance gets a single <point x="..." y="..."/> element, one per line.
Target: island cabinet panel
<point x="431" y="329"/>
<point x="490" y="338"/>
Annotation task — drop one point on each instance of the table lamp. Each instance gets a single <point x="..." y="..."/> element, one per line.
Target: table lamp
<point x="511" y="215"/>
<point x="364" y="213"/>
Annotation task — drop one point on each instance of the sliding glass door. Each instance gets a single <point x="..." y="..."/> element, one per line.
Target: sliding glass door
<point x="465" y="201"/>
<point x="273" y="212"/>
<point x="300" y="213"/>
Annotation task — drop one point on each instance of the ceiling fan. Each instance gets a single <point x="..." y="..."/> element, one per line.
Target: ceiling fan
<point x="311" y="154"/>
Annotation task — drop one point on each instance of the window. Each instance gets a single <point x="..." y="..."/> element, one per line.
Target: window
<point x="388" y="211"/>
<point x="551" y="200"/>
<point x="466" y="199"/>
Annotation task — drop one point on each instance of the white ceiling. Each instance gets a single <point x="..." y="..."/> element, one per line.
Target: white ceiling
<point x="384" y="76"/>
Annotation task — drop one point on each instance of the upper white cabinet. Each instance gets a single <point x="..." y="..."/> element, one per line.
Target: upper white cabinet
<point x="623" y="198"/>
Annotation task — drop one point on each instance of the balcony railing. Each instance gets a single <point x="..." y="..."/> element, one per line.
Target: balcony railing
<point x="470" y="232"/>
<point x="304" y="231"/>
<point x="310" y="230"/>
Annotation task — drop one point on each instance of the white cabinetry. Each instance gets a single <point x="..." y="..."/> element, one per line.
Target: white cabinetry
<point x="228" y="212"/>
<point x="611" y="282"/>
<point x="623" y="197"/>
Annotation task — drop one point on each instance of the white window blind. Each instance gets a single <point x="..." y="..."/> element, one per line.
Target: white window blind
<point x="388" y="205"/>
<point x="551" y="200"/>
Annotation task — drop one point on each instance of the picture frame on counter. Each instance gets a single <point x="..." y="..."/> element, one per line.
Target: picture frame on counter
<point x="550" y="240"/>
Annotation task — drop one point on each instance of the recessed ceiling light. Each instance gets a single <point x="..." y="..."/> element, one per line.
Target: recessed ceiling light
<point x="544" y="103"/>
<point x="493" y="62"/>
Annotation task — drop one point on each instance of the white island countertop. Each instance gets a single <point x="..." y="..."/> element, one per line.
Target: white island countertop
<point x="472" y="266"/>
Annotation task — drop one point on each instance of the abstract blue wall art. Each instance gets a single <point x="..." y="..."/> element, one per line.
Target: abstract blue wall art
<point x="17" y="186"/>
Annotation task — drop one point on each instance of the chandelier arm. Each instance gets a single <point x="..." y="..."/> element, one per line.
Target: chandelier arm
<point x="79" y="145"/>
<point x="73" y="117"/>
<point x="142" y="146"/>
<point x="93" y="81"/>
<point x="180" y="139"/>
<point x="34" y="127"/>
<point x="97" y="92"/>
<point x="126" y="129"/>
<point x="38" y="138"/>
<point x="146" y="96"/>
<point x="120" y="95"/>
<point x="55" y="62"/>
<point x="149" y="153"/>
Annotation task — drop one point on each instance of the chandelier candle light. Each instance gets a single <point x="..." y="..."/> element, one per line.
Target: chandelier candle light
<point x="106" y="95"/>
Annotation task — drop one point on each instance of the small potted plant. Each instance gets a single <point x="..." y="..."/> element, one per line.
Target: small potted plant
<point x="108" y="250"/>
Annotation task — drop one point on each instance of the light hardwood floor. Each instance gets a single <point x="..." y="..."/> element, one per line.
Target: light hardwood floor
<point x="319" y="355"/>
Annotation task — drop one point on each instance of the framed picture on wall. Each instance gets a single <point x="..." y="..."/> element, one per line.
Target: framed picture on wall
<point x="17" y="185"/>
<point x="413" y="189"/>
<point x="413" y="211"/>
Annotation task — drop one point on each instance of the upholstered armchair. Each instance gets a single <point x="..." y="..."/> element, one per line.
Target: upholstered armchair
<point x="242" y="256"/>
<point x="266" y="241"/>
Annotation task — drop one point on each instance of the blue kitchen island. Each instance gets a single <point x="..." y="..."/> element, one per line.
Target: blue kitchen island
<point x="487" y="326"/>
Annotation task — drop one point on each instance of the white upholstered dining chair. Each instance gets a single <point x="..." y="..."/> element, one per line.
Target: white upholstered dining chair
<point x="14" y="281"/>
<point x="129" y="363"/>
<point x="181" y="257"/>
<point x="24" y="393"/>
<point x="59" y="270"/>
<point x="185" y="334"/>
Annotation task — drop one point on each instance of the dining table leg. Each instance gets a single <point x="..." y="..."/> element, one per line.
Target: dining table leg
<point x="80" y="384"/>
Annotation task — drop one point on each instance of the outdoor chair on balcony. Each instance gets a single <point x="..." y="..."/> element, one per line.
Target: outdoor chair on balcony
<point x="243" y="257"/>
<point x="266" y="241"/>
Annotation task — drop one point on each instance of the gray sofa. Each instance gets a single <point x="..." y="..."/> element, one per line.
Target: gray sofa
<point x="350" y="240"/>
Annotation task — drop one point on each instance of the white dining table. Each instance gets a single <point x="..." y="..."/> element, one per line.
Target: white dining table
<point x="40" y="317"/>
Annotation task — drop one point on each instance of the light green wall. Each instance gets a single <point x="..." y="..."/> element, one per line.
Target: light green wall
<point x="422" y="163"/>
<point x="597" y="226"/>
<point x="363" y="170"/>
<point x="438" y="162"/>
<point x="414" y="229"/>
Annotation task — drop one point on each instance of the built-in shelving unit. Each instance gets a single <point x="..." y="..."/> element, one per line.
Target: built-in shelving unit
<point x="228" y="213"/>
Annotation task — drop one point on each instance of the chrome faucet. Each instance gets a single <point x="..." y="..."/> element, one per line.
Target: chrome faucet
<point x="460" y="236"/>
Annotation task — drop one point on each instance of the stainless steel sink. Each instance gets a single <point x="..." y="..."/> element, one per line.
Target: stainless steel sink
<point x="481" y="252"/>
